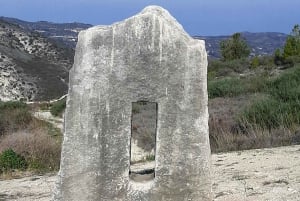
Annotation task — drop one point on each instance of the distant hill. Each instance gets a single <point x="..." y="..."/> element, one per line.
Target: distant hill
<point x="33" y="67"/>
<point x="264" y="43"/>
<point x="62" y="32"/>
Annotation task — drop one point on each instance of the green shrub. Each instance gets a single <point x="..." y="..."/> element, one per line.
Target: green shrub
<point x="282" y="106"/>
<point x="12" y="105"/>
<point x="150" y="158"/>
<point x="271" y="113"/>
<point x="294" y="59"/>
<point x="286" y="87"/>
<point x="256" y="84"/>
<point x="10" y="160"/>
<point x="265" y="113"/>
<point x="266" y="62"/>
<point x="225" y="68"/>
<point x="255" y="62"/>
<point x="227" y="87"/>
<point x="58" y="108"/>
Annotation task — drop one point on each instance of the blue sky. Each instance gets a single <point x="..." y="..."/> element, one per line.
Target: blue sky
<point x="198" y="17"/>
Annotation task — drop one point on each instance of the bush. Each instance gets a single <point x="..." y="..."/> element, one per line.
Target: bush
<point x="255" y="62"/>
<point x="282" y="106"/>
<point x="225" y="68"/>
<point x="231" y="87"/>
<point x="12" y="105"/>
<point x="227" y="87"/>
<point x="265" y="113"/>
<point x="38" y="142"/>
<point x="13" y="116"/>
<point x="58" y="108"/>
<point x="10" y="160"/>
<point x="286" y="87"/>
<point x="39" y="149"/>
<point x="267" y="62"/>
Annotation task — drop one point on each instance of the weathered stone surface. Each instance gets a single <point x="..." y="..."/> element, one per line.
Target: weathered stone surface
<point x="148" y="57"/>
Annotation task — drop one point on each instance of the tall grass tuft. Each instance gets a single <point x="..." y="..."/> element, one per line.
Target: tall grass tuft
<point x="13" y="116"/>
<point x="281" y="108"/>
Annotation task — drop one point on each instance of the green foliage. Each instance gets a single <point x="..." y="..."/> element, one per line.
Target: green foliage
<point x="286" y="87"/>
<point x="234" y="48"/>
<point x="227" y="87"/>
<point x="278" y="57"/>
<point x="10" y="160"/>
<point x="12" y="105"/>
<point x="150" y="157"/>
<point x="291" y="50"/>
<point x="58" y="108"/>
<point x="264" y="113"/>
<point x="219" y="68"/>
<point x="230" y="87"/>
<point x="255" y="62"/>
<point x="292" y="45"/>
<point x="282" y="106"/>
<point x="267" y="62"/>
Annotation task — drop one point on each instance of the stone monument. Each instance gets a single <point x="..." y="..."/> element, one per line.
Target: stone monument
<point x="148" y="58"/>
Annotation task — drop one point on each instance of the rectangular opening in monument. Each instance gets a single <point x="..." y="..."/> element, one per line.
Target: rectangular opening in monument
<point x="143" y="140"/>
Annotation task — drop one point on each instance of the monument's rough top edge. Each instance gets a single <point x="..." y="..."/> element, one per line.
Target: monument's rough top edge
<point x="155" y="10"/>
<point x="151" y="10"/>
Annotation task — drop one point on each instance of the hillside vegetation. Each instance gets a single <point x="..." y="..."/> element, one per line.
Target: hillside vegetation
<point x="255" y="101"/>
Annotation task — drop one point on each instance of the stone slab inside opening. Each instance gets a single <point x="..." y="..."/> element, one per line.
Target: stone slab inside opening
<point x="143" y="141"/>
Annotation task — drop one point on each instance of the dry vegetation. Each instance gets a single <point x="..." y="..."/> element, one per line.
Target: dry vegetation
<point x="38" y="142"/>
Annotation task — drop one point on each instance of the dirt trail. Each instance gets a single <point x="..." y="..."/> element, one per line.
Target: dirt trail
<point x="47" y="116"/>
<point x="254" y="175"/>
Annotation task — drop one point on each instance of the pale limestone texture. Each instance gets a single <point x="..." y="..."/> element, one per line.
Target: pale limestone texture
<point x="148" y="57"/>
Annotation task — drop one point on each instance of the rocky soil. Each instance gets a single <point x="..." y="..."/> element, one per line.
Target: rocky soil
<point x="254" y="175"/>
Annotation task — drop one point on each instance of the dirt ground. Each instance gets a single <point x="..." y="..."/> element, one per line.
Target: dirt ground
<point x="254" y="175"/>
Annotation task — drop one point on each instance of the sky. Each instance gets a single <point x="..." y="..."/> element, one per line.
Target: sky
<point x="198" y="17"/>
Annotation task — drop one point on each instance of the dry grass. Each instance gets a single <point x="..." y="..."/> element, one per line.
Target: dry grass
<point x="228" y="133"/>
<point x="227" y="137"/>
<point x="40" y="150"/>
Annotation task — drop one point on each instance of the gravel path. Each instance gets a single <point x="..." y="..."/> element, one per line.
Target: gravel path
<point x="254" y="175"/>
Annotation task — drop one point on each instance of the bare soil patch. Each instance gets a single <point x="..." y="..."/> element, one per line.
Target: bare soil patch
<point x="252" y="175"/>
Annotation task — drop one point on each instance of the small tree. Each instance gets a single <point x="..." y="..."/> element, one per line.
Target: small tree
<point x="234" y="48"/>
<point x="292" y="44"/>
<point x="278" y="57"/>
